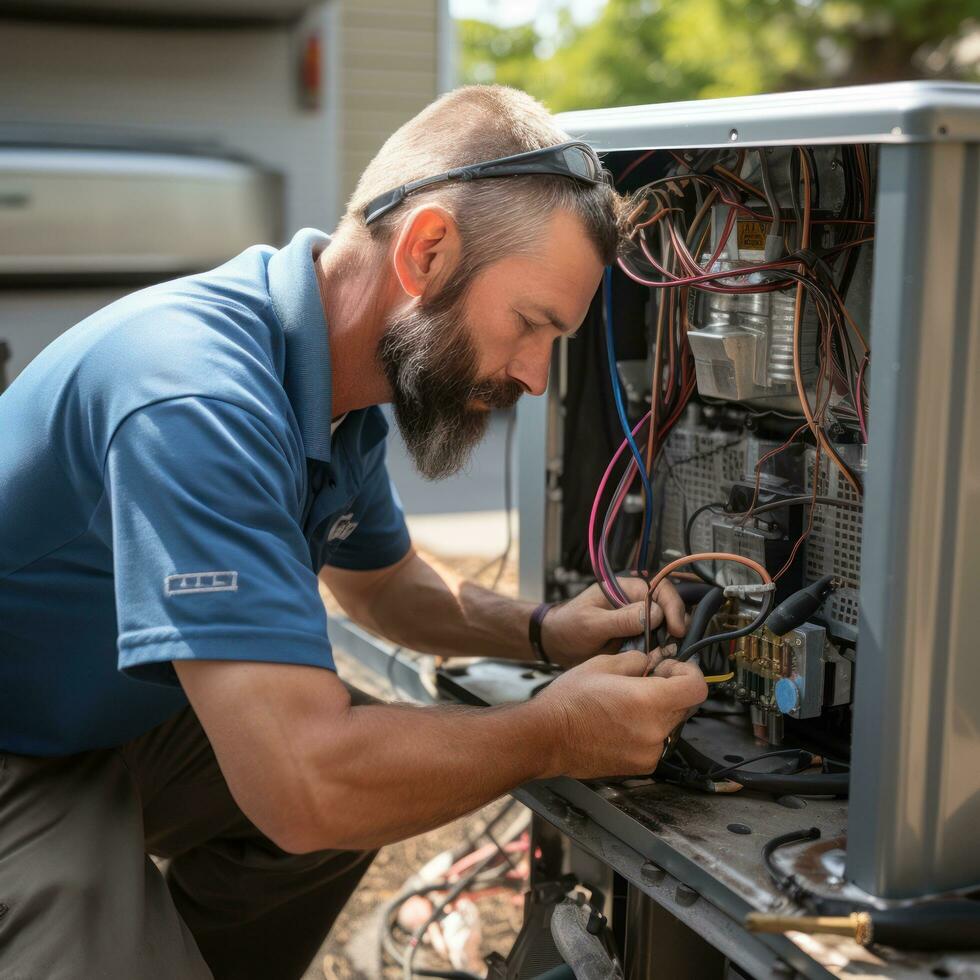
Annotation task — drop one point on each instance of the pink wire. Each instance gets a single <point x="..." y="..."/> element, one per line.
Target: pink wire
<point x="610" y="583"/>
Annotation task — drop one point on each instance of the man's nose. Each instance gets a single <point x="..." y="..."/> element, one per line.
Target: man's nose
<point x="531" y="369"/>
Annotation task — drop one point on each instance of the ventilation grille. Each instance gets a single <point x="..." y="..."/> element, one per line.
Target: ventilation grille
<point x="702" y="464"/>
<point x="834" y="546"/>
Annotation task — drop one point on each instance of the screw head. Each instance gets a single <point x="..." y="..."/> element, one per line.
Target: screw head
<point x="652" y="872"/>
<point x="685" y="895"/>
<point x="733" y="136"/>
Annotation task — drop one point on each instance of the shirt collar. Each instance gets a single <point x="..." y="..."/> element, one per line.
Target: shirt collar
<point x="295" y="296"/>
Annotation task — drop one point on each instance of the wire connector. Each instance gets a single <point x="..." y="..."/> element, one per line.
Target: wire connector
<point x="744" y="591"/>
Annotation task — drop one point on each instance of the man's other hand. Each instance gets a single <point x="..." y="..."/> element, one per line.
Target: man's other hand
<point x="588" y="625"/>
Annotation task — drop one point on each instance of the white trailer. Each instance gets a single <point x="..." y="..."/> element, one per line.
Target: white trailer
<point x="143" y="139"/>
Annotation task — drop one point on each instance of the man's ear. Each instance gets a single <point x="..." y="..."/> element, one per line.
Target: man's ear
<point x="427" y="249"/>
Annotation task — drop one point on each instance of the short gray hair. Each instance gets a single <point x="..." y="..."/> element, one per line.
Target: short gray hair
<point x="496" y="217"/>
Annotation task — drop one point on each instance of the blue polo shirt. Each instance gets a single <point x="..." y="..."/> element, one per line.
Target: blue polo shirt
<point x="169" y="489"/>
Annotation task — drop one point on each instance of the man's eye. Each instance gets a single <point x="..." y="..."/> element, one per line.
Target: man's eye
<point x="526" y="325"/>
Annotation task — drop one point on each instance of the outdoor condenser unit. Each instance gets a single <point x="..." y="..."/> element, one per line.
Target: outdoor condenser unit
<point x="887" y="670"/>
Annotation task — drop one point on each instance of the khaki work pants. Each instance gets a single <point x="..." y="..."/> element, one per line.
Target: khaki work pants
<point x="81" y="898"/>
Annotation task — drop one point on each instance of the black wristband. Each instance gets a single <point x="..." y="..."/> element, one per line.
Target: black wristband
<point x="534" y="630"/>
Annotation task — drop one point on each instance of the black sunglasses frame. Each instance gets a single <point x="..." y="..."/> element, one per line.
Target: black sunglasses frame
<point x="549" y="161"/>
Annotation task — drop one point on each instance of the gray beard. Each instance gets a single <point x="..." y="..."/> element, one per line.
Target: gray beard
<point x="431" y="365"/>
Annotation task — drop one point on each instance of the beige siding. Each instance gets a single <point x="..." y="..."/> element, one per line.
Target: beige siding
<point x="388" y="54"/>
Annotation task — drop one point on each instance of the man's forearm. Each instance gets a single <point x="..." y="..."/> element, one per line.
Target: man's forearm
<point x="392" y="771"/>
<point x="429" y="608"/>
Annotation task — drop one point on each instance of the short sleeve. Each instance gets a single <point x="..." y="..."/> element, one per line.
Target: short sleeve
<point x="209" y="558"/>
<point x="380" y="537"/>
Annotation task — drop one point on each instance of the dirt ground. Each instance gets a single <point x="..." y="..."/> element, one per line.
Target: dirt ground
<point x="351" y="951"/>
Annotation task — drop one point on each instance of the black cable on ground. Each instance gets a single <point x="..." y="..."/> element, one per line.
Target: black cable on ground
<point x="480" y="875"/>
<point x="454" y="892"/>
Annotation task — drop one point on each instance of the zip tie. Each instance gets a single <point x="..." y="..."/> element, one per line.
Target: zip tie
<point x="744" y="591"/>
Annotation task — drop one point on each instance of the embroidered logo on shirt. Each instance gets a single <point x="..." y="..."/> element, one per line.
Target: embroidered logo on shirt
<point x="200" y="582"/>
<point x="342" y="528"/>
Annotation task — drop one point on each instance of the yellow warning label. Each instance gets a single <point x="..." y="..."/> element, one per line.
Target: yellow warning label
<point x="751" y="235"/>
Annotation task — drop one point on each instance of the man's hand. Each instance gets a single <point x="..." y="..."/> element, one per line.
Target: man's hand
<point x="613" y="720"/>
<point x="586" y="625"/>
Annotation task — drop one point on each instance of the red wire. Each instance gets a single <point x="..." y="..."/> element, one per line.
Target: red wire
<point x="634" y="165"/>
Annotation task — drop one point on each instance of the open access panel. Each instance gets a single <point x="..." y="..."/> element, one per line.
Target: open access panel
<point x="793" y="342"/>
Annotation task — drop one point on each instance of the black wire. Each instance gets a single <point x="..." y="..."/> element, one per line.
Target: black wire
<point x="731" y="634"/>
<point x="758" y="758"/>
<point x="805" y="500"/>
<point x="795" y="784"/>
<point x="780" y="415"/>
<point x="673" y="464"/>
<point x="688" y="528"/>
<point x="794" y="192"/>
<point x="391" y="908"/>
<point x="703" y="613"/>
<point x="488" y="833"/>
<point x="389" y="917"/>
<point x="800" y="501"/>
<point x="771" y="846"/>
<point x="454" y="892"/>
<point x="852" y="208"/>
<point x="702" y="773"/>
<point x="791" y="886"/>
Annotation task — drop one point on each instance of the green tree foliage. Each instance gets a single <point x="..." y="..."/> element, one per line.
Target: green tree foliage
<point x="640" y="51"/>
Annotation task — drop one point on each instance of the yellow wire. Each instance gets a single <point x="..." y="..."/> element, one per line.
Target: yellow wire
<point x="719" y="678"/>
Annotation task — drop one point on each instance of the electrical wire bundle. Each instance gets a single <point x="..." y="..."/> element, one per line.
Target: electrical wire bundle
<point x="664" y="259"/>
<point x="473" y="870"/>
<point x="818" y="276"/>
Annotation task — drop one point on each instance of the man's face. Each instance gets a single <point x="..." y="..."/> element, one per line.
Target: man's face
<point x="453" y="359"/>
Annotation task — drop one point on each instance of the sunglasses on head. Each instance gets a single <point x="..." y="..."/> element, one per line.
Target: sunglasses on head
<point x="573" y="159"/>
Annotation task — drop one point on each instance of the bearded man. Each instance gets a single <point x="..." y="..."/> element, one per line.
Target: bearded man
<point x="178" y="471"/>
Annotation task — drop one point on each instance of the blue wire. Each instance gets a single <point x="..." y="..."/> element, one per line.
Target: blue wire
<point x="624" y="421"/>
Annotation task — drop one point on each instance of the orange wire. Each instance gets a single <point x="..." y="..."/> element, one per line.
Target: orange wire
<point x="672" y="566"/>
<point x="744" y="184"/>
